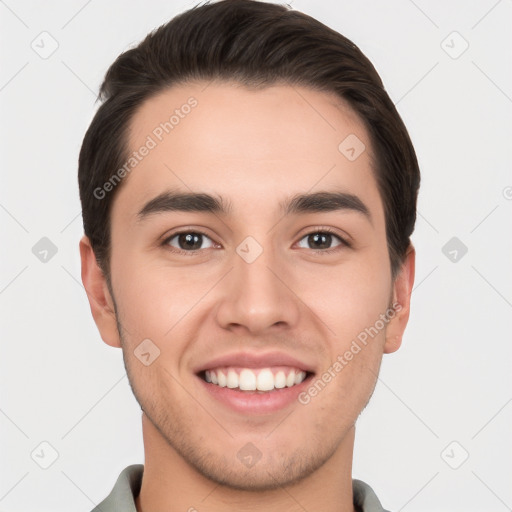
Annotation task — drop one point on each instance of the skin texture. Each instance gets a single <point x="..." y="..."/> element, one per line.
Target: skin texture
<point x="256" y="148"/>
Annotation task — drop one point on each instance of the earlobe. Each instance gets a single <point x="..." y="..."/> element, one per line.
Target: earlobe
<point x="402" y="289"/>
<point x="98" y="294"/>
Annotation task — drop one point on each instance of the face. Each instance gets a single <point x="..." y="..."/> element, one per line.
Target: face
<point x="276" y="277"/>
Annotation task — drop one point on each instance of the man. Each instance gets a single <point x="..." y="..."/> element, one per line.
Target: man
<point x="248" y="194"/>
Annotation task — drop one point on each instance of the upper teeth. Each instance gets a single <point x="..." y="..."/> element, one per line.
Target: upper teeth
<point x="250" y="380"/>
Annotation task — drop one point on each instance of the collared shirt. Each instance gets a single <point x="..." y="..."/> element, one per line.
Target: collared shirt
<point x="127" y="487"/>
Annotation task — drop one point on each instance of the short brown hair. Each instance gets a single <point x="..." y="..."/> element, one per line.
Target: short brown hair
<point x="256" y="44"/>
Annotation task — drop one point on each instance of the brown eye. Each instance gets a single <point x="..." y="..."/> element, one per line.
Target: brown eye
<point x="189" y="241"/>
<point x="322" y="241"/>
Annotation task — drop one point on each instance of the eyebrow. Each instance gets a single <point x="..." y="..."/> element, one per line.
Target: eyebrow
<point x="298" y="204"/>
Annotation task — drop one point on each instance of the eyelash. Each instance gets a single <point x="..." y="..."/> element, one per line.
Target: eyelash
<point x="344" y="242"/>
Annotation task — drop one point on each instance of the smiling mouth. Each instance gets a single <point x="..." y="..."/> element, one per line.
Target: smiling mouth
<point x="261" y="380"/>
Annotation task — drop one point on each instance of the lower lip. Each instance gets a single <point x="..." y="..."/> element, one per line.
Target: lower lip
<point x="254" y="402"/>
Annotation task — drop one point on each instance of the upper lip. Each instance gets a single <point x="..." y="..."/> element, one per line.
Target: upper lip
<point x="254" y="360"/>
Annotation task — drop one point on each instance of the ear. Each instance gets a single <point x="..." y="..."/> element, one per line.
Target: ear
<point x="100" y="300"/>
<point x="402" y="289"/>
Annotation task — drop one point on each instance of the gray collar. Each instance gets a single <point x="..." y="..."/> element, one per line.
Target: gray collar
<point x="127" y="487"/>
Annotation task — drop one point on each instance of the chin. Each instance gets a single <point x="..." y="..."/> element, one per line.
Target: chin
<point x="267" y="474"/>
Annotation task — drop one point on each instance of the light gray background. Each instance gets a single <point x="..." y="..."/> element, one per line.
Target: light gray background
<point x="450" y="381"/>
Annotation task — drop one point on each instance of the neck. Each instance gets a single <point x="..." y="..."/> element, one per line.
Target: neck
<point x="170" y="483"/>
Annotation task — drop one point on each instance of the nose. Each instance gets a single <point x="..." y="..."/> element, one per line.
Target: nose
<point x="258" y="296"/>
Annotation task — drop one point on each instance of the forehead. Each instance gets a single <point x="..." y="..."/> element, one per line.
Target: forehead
<point x="252" y="146"/>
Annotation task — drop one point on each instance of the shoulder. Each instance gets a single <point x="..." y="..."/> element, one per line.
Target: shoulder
<point x="126" y="488"/>
<point x="365" y="499"/>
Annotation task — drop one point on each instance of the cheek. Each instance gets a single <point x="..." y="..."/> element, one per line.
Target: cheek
<point x="348" y="298"/>
<point x="154" y="300"/>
